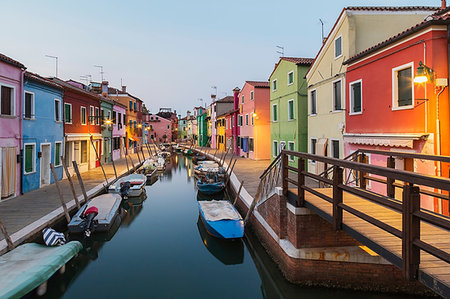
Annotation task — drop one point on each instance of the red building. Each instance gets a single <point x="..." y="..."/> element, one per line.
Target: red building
<point x="228" y="129"/>
<point x="386" y="110"/>
<point x="81" y="125"/>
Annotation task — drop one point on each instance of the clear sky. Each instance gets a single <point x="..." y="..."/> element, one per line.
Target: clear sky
<point x="168" y="53"/>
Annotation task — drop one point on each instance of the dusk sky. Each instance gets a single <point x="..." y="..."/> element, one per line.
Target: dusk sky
<point x="168" y="53"/>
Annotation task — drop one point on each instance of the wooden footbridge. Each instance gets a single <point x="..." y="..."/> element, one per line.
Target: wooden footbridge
<point x="410" y="237"/>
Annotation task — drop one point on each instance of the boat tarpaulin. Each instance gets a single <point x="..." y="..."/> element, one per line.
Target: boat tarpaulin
<point x="216" y="210"/>
<point x="28" y="266"/>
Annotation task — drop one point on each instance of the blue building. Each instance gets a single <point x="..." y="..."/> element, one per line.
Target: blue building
<point x="43" y="132"/>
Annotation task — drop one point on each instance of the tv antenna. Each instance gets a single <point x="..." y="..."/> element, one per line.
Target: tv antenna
<point x="280" y="50"/>
<point x="321" y="22"/>
<point x="101" y="70"/>
<point x="56" y="62"/>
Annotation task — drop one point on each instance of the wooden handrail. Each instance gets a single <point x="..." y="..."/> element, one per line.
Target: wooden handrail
<point x="445" y="159"/>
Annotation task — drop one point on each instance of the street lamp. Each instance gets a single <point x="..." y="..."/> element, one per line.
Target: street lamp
<point x="423" y="74"/>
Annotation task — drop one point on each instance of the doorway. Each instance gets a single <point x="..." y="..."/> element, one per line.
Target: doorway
<point x="46" y="159"/>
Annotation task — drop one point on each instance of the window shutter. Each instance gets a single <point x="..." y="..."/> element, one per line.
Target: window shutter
<point x="28" y="158"/>
<point x="404" y="87"/>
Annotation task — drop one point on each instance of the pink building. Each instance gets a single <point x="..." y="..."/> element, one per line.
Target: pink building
<point x="119" y="131"/>
<point x="160" y="128"/>
<point x="11" y="85"/>
<point x="255" y="120"/>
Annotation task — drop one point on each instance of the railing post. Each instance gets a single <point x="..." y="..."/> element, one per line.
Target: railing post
<point x="362" y="179"/>
<point x="390" y="189"/>
<point x="285" y="173"/>
<point x="301" y="182"/>
<point x="337" y="197"/>
<point x="410" y="231"/>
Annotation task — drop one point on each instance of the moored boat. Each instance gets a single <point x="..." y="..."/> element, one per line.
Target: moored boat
<point x="137" y="183"/>
<point x="210" y="188"/>
<point x="221" y="219"/>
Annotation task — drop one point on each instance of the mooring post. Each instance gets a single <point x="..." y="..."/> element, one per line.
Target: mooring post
<point x="61" y="197"/>
<point x="139" y="158"/>
<point x="410" y="231"/>
<point x="132" y="163"/>
<point x="231" y="171"/>
<point x="80" y="180"/>
<point x="254" y="202"/>
<point x="390" y="188"/>
<point x="215" y="152"/>
<point x="114" y="166"/>
<point x="66" y="170"/>
<point x="142" y="151"/>
<point x="337" y="197"/>
<point x="238" y="193"/>
<point x="148" y="150"/>
<point x="229" y="164"/>
<point x="126" y="161"/>
<point x="99" y="161"/>
<point x="9" y="242"/>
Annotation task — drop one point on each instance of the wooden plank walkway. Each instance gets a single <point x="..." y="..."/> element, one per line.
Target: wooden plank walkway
<point x="25" y="210"/>
<point x="433" y="272"/>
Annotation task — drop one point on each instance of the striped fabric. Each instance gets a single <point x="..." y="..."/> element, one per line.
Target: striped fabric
<point x="52" y="237"/>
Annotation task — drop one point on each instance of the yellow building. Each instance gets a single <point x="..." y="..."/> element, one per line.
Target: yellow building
<point x="356" y="29"/>
<point x="221" y="136"/>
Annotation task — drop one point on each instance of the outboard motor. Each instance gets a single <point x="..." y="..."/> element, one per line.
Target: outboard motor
<point x="124" y="188"/>
<point x="89" y="221"/>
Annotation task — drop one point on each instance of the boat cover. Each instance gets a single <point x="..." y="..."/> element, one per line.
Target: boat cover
<point x="28" y="266"/>
<point x="216" y="210"/>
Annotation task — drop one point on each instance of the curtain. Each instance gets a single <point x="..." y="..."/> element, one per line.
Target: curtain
<point x="8" y="171"/>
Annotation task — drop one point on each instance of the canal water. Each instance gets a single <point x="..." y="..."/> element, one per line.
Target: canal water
<point x="160" y="249"/>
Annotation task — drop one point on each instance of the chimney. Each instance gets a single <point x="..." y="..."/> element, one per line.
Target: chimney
<point x="124" y="88"/>
<point x="236" y="91"/>
<point x="443" y="4"/>
<point x="105" y="88"/>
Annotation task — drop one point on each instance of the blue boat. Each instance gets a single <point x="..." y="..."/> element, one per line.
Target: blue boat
<point x="221" y="219"/>
<point x="210" y="188"/>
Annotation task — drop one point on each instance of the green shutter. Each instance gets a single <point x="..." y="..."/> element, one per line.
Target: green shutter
<point x="356" y="88"/>
<point x="57" y="153"/>
<point x="291" y="110"/>
<point x="29" y="158"/>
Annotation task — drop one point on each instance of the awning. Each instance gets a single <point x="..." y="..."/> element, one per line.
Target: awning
<point x="133" y="138"/>
<point x="389" y="140"/>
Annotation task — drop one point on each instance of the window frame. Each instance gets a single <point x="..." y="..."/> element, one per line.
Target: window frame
<point x="274" y="86"/>
<point x="60" y="151"/>
<point x="33" y="103"/>
<point x="59" y="105"/>
<point x="293" y="79"/>
<point x="351" y="102"/>
<point x="252" y="95"/>
<point x="242" y="99"/>
<point x="71" y="118"/>
<point x="333" y="96"/>
<point x="246" y="120"/>
<point x="85" y="116"/>
<point x="91" y="119"/>
<point x="395" y="70"/>
<point x="342" y="47"/>
<point x="33" y="158"/>
<point x="97" y="116"/>
<point x="293" y="110"/>
<point x="275" y="115"/>
<point x="291" y="158"/>
<point x="13" y="100"/>
<point x="310" y="148"/>
<point x="275" y="148"/>
<point x="332" y="147"/>
<point x="310" y="102"/>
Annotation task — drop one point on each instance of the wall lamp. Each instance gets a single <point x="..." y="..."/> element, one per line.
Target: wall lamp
<point x="423" y="74"/>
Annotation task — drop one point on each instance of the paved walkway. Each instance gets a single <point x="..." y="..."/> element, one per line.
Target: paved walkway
<point x="28" y="214"/>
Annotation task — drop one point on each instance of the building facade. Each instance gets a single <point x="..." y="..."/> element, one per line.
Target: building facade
<point x="119" y="131"/>
<point x="106" y="111"/>
<point x="160" y="130"/>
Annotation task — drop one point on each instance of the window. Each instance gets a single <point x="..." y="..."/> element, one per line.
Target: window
<point x="135" y="123"/>
<point x="7" y="100"/>
<point x="312" y="148"/>
<point x="355" y="97"/>
<point x="312" y="102"/>
<point x="337" y="95"/>
<point x="238" y="141"/>
<point x="251" y="145"/>
<point x="114" y="119"/>
<point x="83" y="115"/>
<point x="84" y="151"/>
<point x="91" y="115"/>
<point x="275" y="148"/>
<point x="290" y="77"/>
<point x="251" y="96"/>
<point x="335" y="149"/>
<point x="135" y="109"/>
<point x="242" y="101"/>
<point x="246" y="119"/>
<point x="240" y="120"/>
<point x="131" y="105"/>
<point x="253" y="119"/>
<point x="338" y="47"/>
<point x="274" y="112"/>
<point x="109" y="115"/>
<point x="30" y="161"/>
<point x="119" y="118"/>
<point x="291" y="110"/>
<point x="124" y="119"/>
<point x="29" y="105"/>
<point x="116" y="143"/>
<point x="58" y="145"/>
<point x="57" y="110"/>
<point x="97" y="118"/>
<point x="68" y="113"/>
<point x="291" y="147"/>
<point x="403" y="88"/>
<point x="274" y="85"/>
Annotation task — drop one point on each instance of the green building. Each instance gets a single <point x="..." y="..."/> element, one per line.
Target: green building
<point x="202" y="126"/>
<point x="289" y="105"/>
<point x="106" y="107"/>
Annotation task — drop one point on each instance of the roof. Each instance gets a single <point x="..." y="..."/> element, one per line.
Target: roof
<point x="436" y="19"/>
<point x="11" y="61"/>
<point x="262" y="84"/>
<point x="296" y="60"/>
<point x="115" y="91"/>
<point x="372" y="8"/>
<point x="42" y="80"/>
<point x="75" y="89"/>
<point x="227" y="99"/>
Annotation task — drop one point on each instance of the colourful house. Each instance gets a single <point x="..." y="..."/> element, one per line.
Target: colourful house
<point x="352" y="33"/>
<point x="220" y="129"/>
<point x="219" y="107"/>
<point x="202" y="127"/>
<point x="182" y="128"/>
<point x="119" y="131"/>
<point x="106" y="111"/>
<point x="43" y="133"/>
<point x="288" y="105"/>
<point x="11" y="99"/>
<point x="160" y="128"/>
<point x="235" y="129"/>
<point x="255" y="107"/>
<point x="167" y="113"/>
<point x="387" y="111"/>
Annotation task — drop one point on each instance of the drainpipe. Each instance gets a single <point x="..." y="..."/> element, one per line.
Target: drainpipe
<point x="21" y="131"/>
<point x="438" y="131"/>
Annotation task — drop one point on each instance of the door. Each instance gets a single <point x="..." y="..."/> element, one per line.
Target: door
<point x="8" y="171"/>
<point x="98" y="147"/>
<point x="45" y="161"/>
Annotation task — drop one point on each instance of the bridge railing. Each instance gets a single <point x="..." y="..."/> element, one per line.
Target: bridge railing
<point x="409" y="206"/>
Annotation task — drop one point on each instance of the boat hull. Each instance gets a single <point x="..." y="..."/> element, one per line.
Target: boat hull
<point x="210" y="188"/>
<point x="223" y="229"/>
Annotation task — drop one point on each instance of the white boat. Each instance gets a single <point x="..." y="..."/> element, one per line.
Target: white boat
<point x="161" y="165"/>
<point x="137" y="183"/>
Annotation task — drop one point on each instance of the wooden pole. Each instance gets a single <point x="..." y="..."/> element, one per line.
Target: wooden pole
<point x="114" y="166"/>
<point x="410" y="231"/>
<point x="229" y="175"/>
<point x="148" y="150"/>
<point x="229" y="164"/>
<point x="239" y="192"/>
<point x="7" y="237"/>
<point x="254" y="202"/>
<point x="61" y="197"/>
<point x="132" y="163"/>
<point x="80" y="180"/>
<point x="139" y="158"/>
<point x="215" y="152"/>
<point x="390" y="181"/>
<point x="142" y="150"/>
<point x="126" y="160"/>
<point x="99" y="161"/>
<point x="70" y="182"/>
<point x="337" y="197"/>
